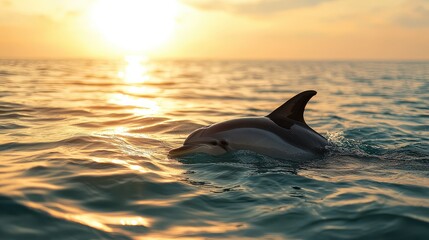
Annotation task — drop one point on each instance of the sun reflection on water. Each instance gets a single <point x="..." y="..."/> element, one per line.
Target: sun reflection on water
<point x="123" y="163"/>
<point x="142" y="90"/>
<point x="103" y="222"/>
<point x="141" y="106"/>
<point x="134" y="221"/>
<point x="87" y="219"/>
<point x="134" y="71"/>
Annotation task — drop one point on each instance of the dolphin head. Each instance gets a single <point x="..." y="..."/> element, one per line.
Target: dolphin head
<point x="199" y="142"/>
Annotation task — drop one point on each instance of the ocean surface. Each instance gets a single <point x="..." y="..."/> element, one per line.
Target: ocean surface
<point x="84" y="144"/>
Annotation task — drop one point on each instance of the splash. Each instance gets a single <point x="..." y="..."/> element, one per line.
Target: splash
<point x="340" y="145"/>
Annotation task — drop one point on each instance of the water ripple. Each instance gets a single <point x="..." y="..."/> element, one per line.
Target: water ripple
<point x="83" y="151"/>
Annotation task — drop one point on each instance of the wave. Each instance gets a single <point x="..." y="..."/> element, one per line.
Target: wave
<point x="22" y="222"/>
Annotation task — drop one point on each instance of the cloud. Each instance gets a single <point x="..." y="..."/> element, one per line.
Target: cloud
<point x="249" y="7"/>
<point x="414" y="13"/>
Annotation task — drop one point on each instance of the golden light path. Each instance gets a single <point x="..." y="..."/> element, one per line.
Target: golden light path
<point x="95" y="220"/>
<point x="141" y="106"/>
<point x="135" y="25"/>
<point x="134" y="75"/>
<point x="135" y="71"/>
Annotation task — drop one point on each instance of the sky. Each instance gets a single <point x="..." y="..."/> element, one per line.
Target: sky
<point x="216" y="29"/>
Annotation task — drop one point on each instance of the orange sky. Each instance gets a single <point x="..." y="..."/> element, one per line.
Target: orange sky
<point x="216" y="29"/>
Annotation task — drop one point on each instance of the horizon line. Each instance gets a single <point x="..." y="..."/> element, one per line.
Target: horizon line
<point x="222" y="59"/>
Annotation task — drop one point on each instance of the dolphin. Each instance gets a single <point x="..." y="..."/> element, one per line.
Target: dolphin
<point x="281" y="134"/>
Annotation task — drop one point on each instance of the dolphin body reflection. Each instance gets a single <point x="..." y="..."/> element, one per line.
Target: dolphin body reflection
<point x="281" y="134"/>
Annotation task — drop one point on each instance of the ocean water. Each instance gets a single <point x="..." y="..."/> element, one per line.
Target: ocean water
<point x="84" y="143"/>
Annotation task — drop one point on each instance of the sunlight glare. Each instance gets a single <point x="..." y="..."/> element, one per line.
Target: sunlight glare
<point x="135" y="25"/>
<point x="123" y="163"/>
<point x="141" y="106"/>
<point x="135" y="71"/>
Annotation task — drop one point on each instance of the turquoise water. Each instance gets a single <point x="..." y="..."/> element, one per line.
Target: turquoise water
<point x="84" y="143"/>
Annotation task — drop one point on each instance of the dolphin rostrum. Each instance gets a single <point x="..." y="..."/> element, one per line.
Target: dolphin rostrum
<point x="281" y="134"/>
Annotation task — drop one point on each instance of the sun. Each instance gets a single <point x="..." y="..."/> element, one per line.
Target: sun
<point x="135" y="25"/>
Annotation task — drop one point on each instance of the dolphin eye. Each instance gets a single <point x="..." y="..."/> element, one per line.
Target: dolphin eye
<point x="223" y="143"/>
<point x="213" y="143"/>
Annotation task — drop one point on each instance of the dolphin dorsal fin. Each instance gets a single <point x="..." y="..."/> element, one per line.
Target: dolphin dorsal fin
<point x="293" y="109"/>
